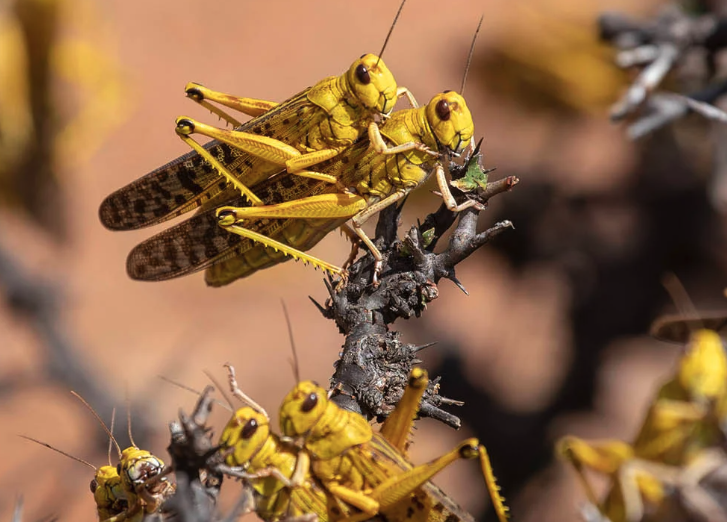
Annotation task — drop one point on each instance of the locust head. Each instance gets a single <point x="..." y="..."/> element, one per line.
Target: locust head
<point x="244" y="436"/>
<point x="302" y="409"/>
<point x="450" y="120"/>
<point x="703" y="368"/>
<point x="372" y="83"/>
<point x="138" y="466"/>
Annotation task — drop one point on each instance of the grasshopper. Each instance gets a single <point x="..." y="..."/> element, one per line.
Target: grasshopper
<point x="109" y="495"/>
<point x="141" y="476"/>
<point x="287" y="486"/>
<point x="314" y="125"/>
<point x="369" y="471"/>
<point x="274" y="471"/>
<point x="681" y="426"/>
<point x="300" y="212"/>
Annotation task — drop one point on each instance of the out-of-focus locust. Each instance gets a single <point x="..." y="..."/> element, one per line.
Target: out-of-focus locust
<point x="680" y="441"/>
<point x="109" y="495"/>
<point x="141" y="477"/>
<point x="314" y="125"/>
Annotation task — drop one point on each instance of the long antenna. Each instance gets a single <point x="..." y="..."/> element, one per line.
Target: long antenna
<point x="222" y="391"/>
<point x="228" y="405"/>
<point x="680" y="296"/>
<point x="59" y="451"/>
<point x="237" y="392"/>
<point x="128" y="415"/>
<point x="113" y="419"/>
<point x="472" y="52"/>
<point x="103" y="424"/>
<point x="391" y="30"/>
<point x="296" y="364"/>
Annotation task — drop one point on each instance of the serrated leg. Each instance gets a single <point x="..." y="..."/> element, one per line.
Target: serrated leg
<point x="249" y="106"/>
<point x="397" y="426"/>
<point x="265" y="148"/>
<point x="321" y="206"/>
<point x="398" y="487"/>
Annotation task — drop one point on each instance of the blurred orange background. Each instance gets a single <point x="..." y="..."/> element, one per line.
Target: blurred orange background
<point x="539" y="90"/>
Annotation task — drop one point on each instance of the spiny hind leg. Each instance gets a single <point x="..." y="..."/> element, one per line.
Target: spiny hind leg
<point x="323" y="206"/>
<point x="186" y="127"/>
<point x="266" y="148"/>
<point x="398" y="487"/>
<point x="249" y="106"/>
<point x="397" y="427"/>
<point x="285" y="249"/>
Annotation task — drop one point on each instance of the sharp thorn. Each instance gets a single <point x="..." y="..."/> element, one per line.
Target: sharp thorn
<point x="423" y="346"/>
<point x="321" y="309"/>
<point x="454" y="279"/>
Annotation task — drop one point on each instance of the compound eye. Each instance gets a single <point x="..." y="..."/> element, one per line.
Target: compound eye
<point x="94" y="485"/>
<point x="443" y="111"/>
<point x="249" y="429"/>
<point x="309" y="403"/>
<point x="362" y="74"/>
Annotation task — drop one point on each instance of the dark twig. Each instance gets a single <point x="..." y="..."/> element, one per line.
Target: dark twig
<point x="374" y="366"/>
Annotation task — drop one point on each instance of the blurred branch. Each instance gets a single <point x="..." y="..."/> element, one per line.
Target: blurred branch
<point x="660" y="46"/>
<point x="39" y="303"/>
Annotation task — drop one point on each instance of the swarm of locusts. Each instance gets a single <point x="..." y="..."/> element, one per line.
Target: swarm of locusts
<point x="266" y="191"/>
<point x="269" y="190"/>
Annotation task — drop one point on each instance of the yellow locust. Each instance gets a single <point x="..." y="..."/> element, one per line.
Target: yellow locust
<point x="274" y="471"/>
<point x="314" y="125"/>
<point x="141" y="477"/>
<point x="369" y="470"/>
<point x="681" y="428"/>
<point x="394" y="159"/>
<point x="293" y="491"/>
<point x="106" y="486"/>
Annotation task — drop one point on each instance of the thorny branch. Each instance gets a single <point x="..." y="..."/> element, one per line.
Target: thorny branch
<point x="39" y="303"/>
<point x="374" y="364"/>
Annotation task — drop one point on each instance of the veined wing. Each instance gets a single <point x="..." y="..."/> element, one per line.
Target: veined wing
<point x="199" y="243"/>
<point x="189" y="181"/>
<point x="427" y="503"/>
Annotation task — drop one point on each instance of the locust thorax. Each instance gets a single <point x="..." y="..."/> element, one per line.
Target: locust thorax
<point x="372" y="83"/>
<point x="302" y="409"/>
<point x="103" y="485"/>
<point x="450" y="120"/>
<point x="244" y="436"/>
<point x="703" y="368"/>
